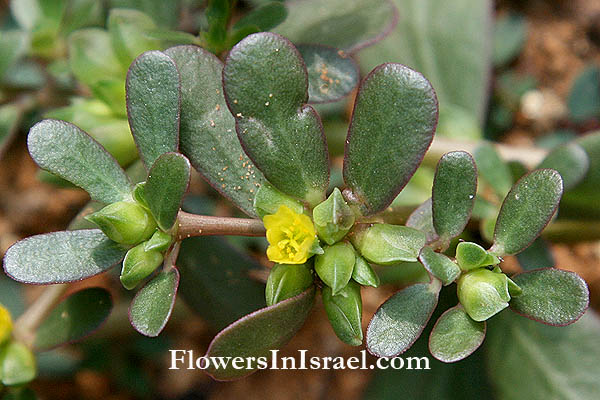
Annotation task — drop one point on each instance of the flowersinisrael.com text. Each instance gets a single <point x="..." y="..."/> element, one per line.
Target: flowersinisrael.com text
<point x="184" y="359"/>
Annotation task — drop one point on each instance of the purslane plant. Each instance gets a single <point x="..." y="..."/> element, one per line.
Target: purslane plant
<point x="246" y="128"/>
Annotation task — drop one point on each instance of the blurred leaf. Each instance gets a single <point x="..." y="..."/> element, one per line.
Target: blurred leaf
<point x="526" y="211"/>
<point x="455" y="336"/>
<point x="81" y="13"/>
<point x="111" y="91"/>
<point x="127" y="29"/>
<point x="74" y="318"/>
<point x="165" y="13"/>
<point x="265" y="85"/>
<point x="458" y="123"/>
<point x="551" y="296"/>
<point x="92" y="58"/>
<point x="442" y="40"/>
<point x="256" y="334"/>
<point x="537" y="255"/>
<point x="167" y="182"/>
<point x="70" y="153"/>
<point x="153" y="105"/>
<point x="510" y="33"/>
<point x="556" y="138"/>
<point x="518" y="169"/>
<point x="17" y="364"/>
<point x="453" y="193"/>
<point x="493" y="169"/>
<point x="560" y="363"/>
<point x="399" y="321"/>
<point x="25" y="74"/>
<point x="346" y="24"/>
<point x="13" y="45"/>
<point x="571" y="161"/>
<point x="584" y="97"/>
<point x="344" y="311"/>
<point x="332" y="74"/>
<point x="59" y="257"/>
<point x="21" y="393"/>
<point x="10" y="115"/>
<point x="151" y="308"/>
<point x="439" y="265"/>
<point x="207" y="129"/>
<point x="265" y="17"/>
<point x="386" y="143"/>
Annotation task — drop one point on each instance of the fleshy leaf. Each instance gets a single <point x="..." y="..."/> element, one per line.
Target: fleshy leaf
<point x="152" y="305"/>
<point x="401" y="319"/>
<point x="584" y="100"/>
<point x="455" y="335"/>
<point x="74" y="318"/>
<point x="392" y="126"/>
<point x="256" y="334"/>
<point x="551" y="296"/>
<point x="265" y="83"/>
<point x="387" y="244"/>
<point x="439" y="265"/>
<point x="422" y="219"/>
<point x="264" y="18"/>
<point x="537" y="255"/>
<point x="91" y="56"/>
<point x="287" y="280"/>
<point x="571" y="161"/>
<point x="453" y="193"/>
<point x="346" y="24"/>
<point x="153" y="105"/>
<point x="17" y="364"/>
<point x="167" y="182"/>
<point x="492" y="169"/>
<point x="510" y="33"/>
<point x="526" y="210"/>
<point x="344" y="311"/>
<point x="60" y="257"/>
<point x="364" y="274"/>
<point x="335" y="265"/>
<point x="67" y="151"/>
<point x="332" y="74"/>
<point x="207" y="128"/>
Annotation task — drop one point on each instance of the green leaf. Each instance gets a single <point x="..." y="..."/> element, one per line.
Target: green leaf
<point x="332" y="74"/>
<point x="439" y="265"/>
<point x="125" y="222"/>
<point x="551" y="296"/>
<point x="510" y="33"/>
<point x="422" y="219"/>
<point x="571" y="161"/>
<point x="10" y="116"/>
<point x="537" y="255"/>
<point x="265" y="83"/>
<point x="453" y="193"/>
<point x="455" y="335"/>
<point x="345" y="24"/>
<point x="167" y="182"/>
<point x="82" y="13"/>
<point x="17" y="364"/>
<point x="388" y="244"/>
<point x="128" y="33"/>
<point x="364" y="274"/>
<point x="470" y="256"/>
<point x="70" y="153"/>
<point x="443" y="40"/>
<point x="555" y="362"/>
<point x="153" y="105"/>
<point x="60" y="257"/>
<point x="207" y="129"/>
<point x="13" y="45"/>
<point x="265" y="17"/>
<point x="483" y="293"/>
<point x="333" y="218"/>
<point x="493" y="169"/>
<point x="256" y="334"/>
<point x="398" y="322"/>
<point x="458" y="123"/>
<point x="335" y="265"/>
<point x="74" y="318"/>
<point x="526" y="210"/>
<point x="584" y="97"/>
<point x="91" y="56"/>
<point x="139" y="264"/>
<point x="111" y="92"/>
<point x="268" y="200"/>
<point x="392" y="126"/>
<point x="344" y="311"/>
<point x="165" y="13"/>
<point x="152" y="305"/>
<point x="287" y="280"/>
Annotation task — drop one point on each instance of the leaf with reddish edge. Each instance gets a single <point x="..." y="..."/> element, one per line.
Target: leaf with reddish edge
<point x="551" y="296"/>
<point x="266" y="88"/>
<point x="151" y="307"/>
<point x="393" y="122"/>
<point x="207" y="130"/>
<point x="153" y="105"/>
<point x="399" y="322"/>
<point x="526" y="211"/>
<point x="61" y="257"/>
<point x="256" y="334"/>
<point x="74" y="318"/>
<point x="455" y="336"/>
<point x="422" y="219"/>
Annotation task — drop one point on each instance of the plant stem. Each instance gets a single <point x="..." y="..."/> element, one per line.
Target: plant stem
<point x="31" y="319"/>
<point x="205" y="225"/>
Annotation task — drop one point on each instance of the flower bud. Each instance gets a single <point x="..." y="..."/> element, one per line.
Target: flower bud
<point x="483" y="293"/>
<point x="138" y="265"/>
<point x="387" y="244"/>
<point x="268" y="199"/>
<point x="471" y="256"/>
<point x="335" y="265"/>
<point x="363" y="273"/>
<point x="344" y="311"/>
<point x="6" y="324"/>
<point x="287" y="280"/>
<point x="124" y="222"/>
<point x="17" y="364"/>
<point x="333" y="218"/>
<point x="160" y="241"/>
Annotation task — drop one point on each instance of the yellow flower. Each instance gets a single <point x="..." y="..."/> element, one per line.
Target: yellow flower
<point x="291" y="236"/>
<point x="5" y="324"/>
